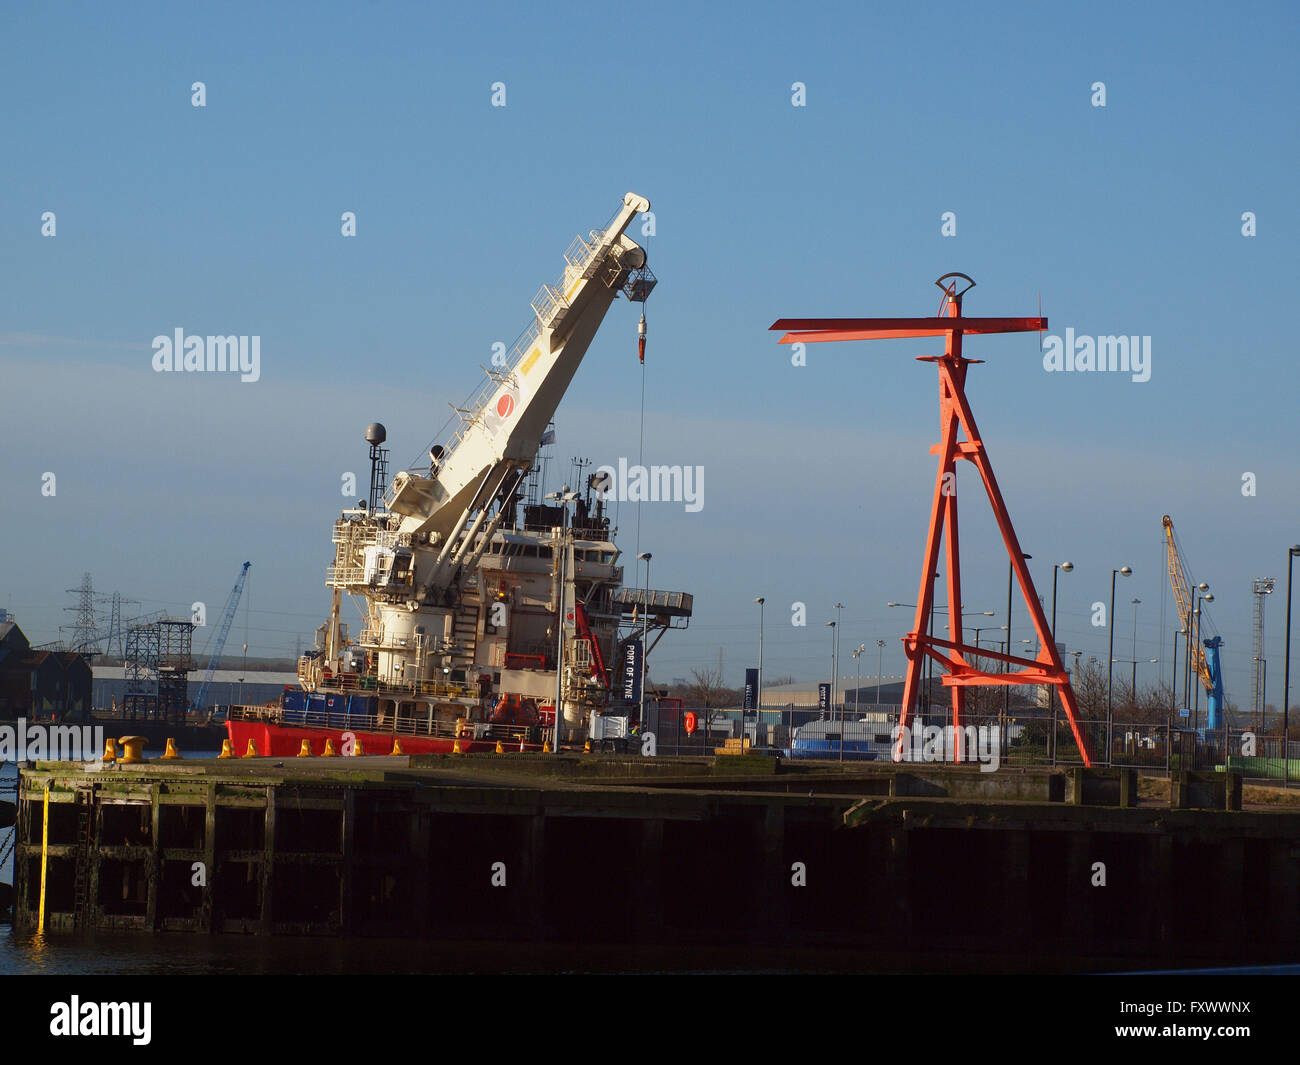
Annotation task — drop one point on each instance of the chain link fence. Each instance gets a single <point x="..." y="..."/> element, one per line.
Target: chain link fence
<point x="1155" y="748"/>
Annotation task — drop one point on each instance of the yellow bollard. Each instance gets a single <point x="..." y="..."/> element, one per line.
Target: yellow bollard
<point x="357" y="750"/>
<point x="226" y="751"/>
<point x="500" y="749"/>
<point x="397" y="746"/>
<point x="305" y="750"/>
<point x="171" y="752"/>
<point x="252" y="749"/>
<point x="455" y="746"/>
<point x="586" y="747"/>
<point x="132" y="750"/>
<point x="546" y="747"/>
<point x="329" y="751"/>
<point x="110" y="750"/>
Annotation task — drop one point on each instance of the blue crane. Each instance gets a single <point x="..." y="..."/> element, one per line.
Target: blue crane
<point x="215" y="660"/>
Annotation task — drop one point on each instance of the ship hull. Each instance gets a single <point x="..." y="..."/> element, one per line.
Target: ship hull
<point x="285" y="741"/>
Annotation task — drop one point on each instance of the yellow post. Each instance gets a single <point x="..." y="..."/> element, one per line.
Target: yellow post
<point x="45" y="849"/>
<point x="110" y="750"/>
<point x="329" y="751"/>
<point x="132" y="750"/>
<point x="500" y="749"/>
<point x="252" y="749"/>
<point x="305" y="750"/>
<point x="226" y="750"/>
<point x="397" y="746"/>
<point x="171" y="751"/>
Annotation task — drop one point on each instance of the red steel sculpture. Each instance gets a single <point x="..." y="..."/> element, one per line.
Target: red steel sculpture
<point x="954" y="414"/>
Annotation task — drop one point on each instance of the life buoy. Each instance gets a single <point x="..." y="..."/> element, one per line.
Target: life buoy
<point x="691" y="722"/>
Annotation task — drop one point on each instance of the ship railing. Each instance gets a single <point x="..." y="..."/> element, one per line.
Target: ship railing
<point x="353" y="682"/>
<point x="358" y="534"/>
<point x="399" y="725"/>
<point x="548" y="302"/>
<point x="344" y="575"/>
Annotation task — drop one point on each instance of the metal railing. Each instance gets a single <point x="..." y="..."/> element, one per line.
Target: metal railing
<point x="391" y="724"/>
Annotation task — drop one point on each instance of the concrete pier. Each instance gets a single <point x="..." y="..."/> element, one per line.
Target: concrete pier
<point x="1040" y="868"/>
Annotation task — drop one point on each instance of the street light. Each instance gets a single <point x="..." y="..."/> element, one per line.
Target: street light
<point x="1110" y="659"/>
<point x="858" y="652"/>
<point x="1173" y="672"/>
<point x="1191" y="640"/>
<point x="758" y="695"/>
<point x="644" y="556"/>
<point x="1051" y="689"/>
<point x="880" y="655"/>
<point x="830" y="695"/>
<point x="563" y="498"/>
<point x="1208" y="597"/>
<point x="1134" y="687"/>
<point x="1286" y="669"/>
<point x="1006" y="666"/>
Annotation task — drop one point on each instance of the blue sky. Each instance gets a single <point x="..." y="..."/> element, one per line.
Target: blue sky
<point x="225" y="219"/>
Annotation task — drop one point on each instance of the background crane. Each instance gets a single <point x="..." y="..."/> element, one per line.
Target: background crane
<point x="1206" y="666"/>
<point x="214" y="659"/>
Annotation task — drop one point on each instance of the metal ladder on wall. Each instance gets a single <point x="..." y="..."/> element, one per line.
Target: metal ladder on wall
<point x="85" y="803"/>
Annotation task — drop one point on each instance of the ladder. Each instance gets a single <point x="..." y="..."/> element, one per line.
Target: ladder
<point x="85" y="804"/>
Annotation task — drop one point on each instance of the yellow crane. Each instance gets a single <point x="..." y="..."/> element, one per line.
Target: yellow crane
<point x="1206" y="665"/>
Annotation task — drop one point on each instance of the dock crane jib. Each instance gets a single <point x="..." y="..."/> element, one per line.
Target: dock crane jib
<point x="227" y="616"/>
<point x="1204" y="651"/>
<point x="502" y="429"/>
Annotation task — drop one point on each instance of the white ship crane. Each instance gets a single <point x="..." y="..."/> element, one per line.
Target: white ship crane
<point x="432" y="621"/>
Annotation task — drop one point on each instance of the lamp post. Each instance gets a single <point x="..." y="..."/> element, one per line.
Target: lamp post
<point x="1051" y="690"/>
<point x="1110" y="658"/>
<point x="880" y="656"/>
<point x="644" y="556"/>
<point x="1286" y="669"/>
<point x="858" y="652"/>
<point x="563" y="498"/>
<point x="830" y="695"/>
<point x="1208" y="597"/>
<point x="1173" y="673"/>
<point x="1133" y="690"/>
<point x="1006" y="666"/>
<point x="1191" y="640"/>
<point x="758" y="695"/>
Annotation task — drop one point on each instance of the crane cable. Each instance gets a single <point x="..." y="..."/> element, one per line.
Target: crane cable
<point x="640" y="458"/>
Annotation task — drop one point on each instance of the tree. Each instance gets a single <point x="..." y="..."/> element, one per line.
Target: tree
<point x="707" y="690"/>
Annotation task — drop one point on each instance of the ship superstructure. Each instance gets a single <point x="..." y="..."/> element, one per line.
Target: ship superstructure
<point x="471" y="584"/>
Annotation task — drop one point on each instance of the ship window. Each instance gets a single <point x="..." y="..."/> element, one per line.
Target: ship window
<point x="832" y="736"/>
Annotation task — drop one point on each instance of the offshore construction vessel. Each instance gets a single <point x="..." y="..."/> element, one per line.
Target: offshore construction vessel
<point x="483" y="602"/>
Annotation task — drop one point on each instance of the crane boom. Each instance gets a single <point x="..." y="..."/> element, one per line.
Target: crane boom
<point x="501" y="431"/>
<point x="214" y="660"/>
<point x="1208" y="668"/>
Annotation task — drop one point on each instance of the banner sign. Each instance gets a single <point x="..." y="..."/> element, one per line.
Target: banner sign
<point x="824" y="697"/>
<point x="631" y="686"/>
<point x="751" y="689"/>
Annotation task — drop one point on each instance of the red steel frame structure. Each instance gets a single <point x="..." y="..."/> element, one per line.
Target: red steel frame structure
<point x="954" y="415"/>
